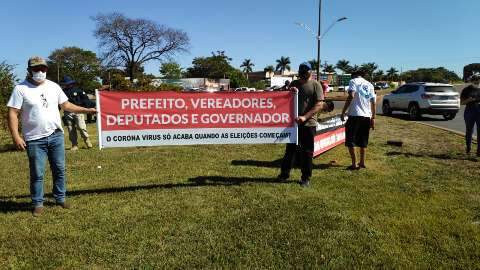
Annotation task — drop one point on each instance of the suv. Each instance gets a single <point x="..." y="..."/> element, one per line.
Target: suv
<point x="423" y="98"/>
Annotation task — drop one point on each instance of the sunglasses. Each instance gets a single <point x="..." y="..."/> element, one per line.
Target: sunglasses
<point x="39" y="68"/>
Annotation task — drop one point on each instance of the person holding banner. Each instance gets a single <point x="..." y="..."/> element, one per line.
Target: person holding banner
<point x="361" y="105"/>
<point x="36" y="100"/>
<point x="310" y="102"/>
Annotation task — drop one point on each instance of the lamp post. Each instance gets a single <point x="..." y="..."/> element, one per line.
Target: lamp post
<point x="318" y="35"/>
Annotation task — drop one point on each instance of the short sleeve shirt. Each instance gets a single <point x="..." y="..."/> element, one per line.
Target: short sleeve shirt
<point x="473" y="92"/>
<point x="309" y="93"/>
<point x="363" y="94"/>
<point x="40" y="116"/>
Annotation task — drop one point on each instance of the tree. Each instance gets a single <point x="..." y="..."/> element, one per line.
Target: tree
<point x="82" y="65"/>
<point x="328" y="68"/>
<point x="343" y="65"/>
<point x="392" y="74"/>
<point x="439" y="75"/>
<point x="236" y="78"/>
<point x="171" y="70"/>
<point x="130" y="42"/>
<point x="247" y="66"/>
<point x="269" y="69"/>
<point x="353" y="69"/>
<point x="215" y="67"/>
<point x="314" y="64"/>
<point x="7" y="81"/>
<point x="283" y="64"/>
<point x="369" y="69"/>
<point x="378" y="76"/>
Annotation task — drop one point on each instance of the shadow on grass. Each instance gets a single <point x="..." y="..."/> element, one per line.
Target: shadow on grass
<point x="8" y="148"/>
<point x="9" y="204"/>
<point x="233" y="181"/>
<point x="435" y="156"/>
<point x="277" y="163"/>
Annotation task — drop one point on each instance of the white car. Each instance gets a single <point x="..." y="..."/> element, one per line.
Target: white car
<point x="423" y="98"/>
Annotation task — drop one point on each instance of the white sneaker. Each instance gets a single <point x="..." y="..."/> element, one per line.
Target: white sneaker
<point x="88" y="143"/>
<point x="74" y="148"/>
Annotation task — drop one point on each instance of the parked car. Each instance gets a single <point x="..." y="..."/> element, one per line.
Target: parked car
<point x="423" y="98"/>
<point x="381" y="85"/>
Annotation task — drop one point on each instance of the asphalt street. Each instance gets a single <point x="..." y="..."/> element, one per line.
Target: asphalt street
<point x="456" y="124"/>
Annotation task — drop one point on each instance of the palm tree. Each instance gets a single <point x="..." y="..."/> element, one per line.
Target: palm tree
<point x="269" y="68"/>
<point x="247" y="66"/>
<point x="369" y="69"/>
<point x="314" y="64"/>
<point x="328" y="68"/>
<point x="343" y="65"/>
<point x="283" y="64"/>
<point x="392" y="74"/>
<point x="378" y="76"/>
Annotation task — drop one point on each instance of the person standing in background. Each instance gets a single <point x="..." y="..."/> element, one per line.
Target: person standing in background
<point x="471" y="98"/>
<point x="74" y="121"/>
<point x="361" y="106"/>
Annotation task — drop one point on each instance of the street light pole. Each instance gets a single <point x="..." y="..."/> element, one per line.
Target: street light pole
<point x="318" y="38"/>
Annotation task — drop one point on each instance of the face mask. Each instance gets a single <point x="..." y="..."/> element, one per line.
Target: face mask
<point x="39" y="76"/>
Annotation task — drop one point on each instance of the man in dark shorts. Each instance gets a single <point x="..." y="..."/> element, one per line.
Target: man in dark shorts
<point x="361" y="104"/>
<point x="471" y="98"/>
<point x="310" y="101"/>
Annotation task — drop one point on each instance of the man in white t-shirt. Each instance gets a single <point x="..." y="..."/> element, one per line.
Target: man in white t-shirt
<point x="361" y="105"/>
<point x="36" y="100"/>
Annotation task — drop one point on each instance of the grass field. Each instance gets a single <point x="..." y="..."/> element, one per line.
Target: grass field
<point x="220" y="207"/>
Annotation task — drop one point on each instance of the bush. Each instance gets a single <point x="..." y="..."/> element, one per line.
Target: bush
<point x="7" y="82"/>
<point x="258" y="85"/>
<point x="169" y="87"/>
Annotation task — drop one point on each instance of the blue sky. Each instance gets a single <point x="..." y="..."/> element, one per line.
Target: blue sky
<point x="405" y="34"/>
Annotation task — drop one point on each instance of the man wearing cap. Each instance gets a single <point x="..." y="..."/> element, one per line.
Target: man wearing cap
<point x="36" y="100"/>
<point x="310" y="102"/>
<point x="470" y="97"/>
<point x="74" y="121"/>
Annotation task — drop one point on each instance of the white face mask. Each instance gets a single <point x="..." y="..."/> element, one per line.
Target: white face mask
<point x="39" y="76"/>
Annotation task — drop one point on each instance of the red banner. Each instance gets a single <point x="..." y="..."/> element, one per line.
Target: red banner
<point x="155" y="118"/>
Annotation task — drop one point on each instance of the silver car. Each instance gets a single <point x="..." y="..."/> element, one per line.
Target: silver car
<point x="423" y="98"/>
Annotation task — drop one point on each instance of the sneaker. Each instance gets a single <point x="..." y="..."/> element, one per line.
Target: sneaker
<point x="37" y="211"/>
<point x="361" y="166"/>
<point x="64" y="205"/>
<point x="74" y="148"/>
<point x="88" y="143"/>
<point x="305" y="183"/>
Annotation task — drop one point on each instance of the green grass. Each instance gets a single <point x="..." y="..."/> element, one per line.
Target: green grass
<point x="220" y="207"/>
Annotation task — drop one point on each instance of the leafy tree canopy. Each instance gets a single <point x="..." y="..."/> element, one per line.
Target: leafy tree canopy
<point x="82" y="65"/>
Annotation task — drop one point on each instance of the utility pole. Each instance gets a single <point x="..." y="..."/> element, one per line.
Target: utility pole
<point x="318" y="38"/>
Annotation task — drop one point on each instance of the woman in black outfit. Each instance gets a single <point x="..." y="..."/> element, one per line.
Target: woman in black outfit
<point x="471" y="98"/>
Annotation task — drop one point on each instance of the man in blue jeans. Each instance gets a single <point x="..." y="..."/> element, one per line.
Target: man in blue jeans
<point x="36" y="100"/>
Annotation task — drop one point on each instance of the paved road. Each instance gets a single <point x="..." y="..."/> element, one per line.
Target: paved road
<point x="456" y="124"/>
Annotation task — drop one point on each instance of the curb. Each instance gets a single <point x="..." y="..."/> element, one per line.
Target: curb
<point x="459" y="133"/>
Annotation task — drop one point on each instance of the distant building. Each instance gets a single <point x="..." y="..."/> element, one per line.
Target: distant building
<point x="195" y="83"/>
